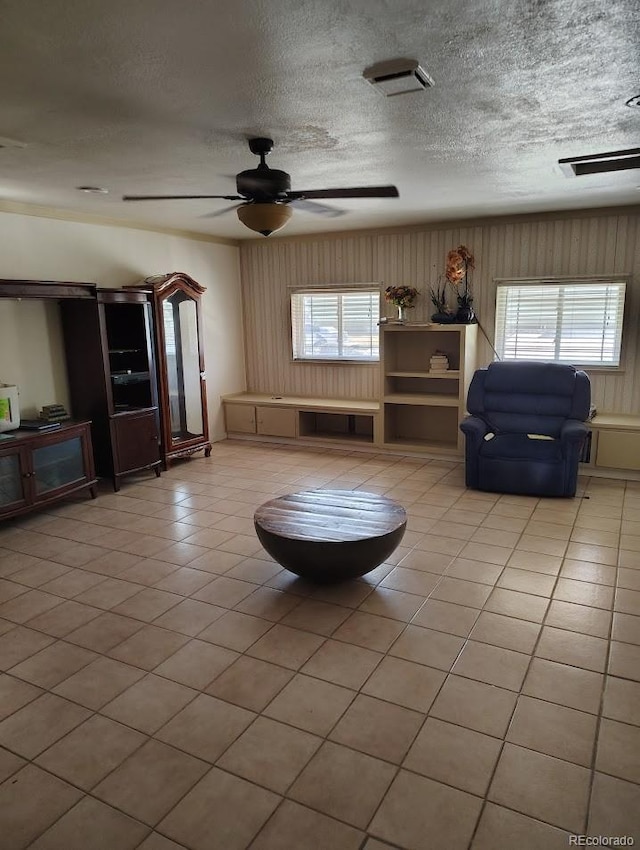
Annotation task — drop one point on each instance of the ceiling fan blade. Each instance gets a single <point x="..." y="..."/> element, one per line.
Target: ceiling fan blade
<point x="216" y="213"/>
<point x="362" y="192"/>
<point x="180" y="197"/>
<point x="318" y="209"/>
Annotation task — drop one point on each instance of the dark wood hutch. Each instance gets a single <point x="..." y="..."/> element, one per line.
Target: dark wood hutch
<point x="110" y="358"/>
<point x="40" y="467"/>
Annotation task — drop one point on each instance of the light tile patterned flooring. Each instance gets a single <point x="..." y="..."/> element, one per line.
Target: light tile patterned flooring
<point x="165" y="684"/>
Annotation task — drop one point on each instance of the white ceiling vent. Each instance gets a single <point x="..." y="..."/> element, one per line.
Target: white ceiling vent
<point x="398" y="76"/>
<point x="600" y="163"/>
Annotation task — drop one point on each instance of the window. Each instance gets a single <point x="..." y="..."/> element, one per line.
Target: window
<point x="335" y="325"/>
<point x="572" y="321"/>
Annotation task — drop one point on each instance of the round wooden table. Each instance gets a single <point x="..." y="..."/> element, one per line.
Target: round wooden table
<point x="330" y="535"/>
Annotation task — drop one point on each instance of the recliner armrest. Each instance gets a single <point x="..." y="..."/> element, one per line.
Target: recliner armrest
<point x="474" y="427"/>
<point x="573" y="431"/>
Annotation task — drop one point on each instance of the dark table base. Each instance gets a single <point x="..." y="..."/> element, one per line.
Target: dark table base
<point x="327" y="562"/>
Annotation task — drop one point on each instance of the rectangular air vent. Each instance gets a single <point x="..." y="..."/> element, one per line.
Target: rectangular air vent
<point x="600" y="163"/>
<point x="398" y="76"/>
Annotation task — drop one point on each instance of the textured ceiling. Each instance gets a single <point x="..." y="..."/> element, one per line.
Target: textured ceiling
<point x="141" y="96"/>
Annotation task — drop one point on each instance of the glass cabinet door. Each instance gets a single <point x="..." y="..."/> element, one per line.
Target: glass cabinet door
<point x="182" y="356"/>
<point x="10" y="480"/>
<point x="57" y="464"/>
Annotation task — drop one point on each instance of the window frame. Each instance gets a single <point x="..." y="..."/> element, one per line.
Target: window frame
<point x="568" y="280"/>
<point x="338" y="289"/>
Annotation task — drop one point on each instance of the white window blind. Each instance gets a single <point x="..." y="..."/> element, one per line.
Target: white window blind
<point x="577" y="322"/>
<point x="336" y="325"/>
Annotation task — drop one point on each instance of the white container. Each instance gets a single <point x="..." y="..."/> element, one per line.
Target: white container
<point x="9" y="408"/>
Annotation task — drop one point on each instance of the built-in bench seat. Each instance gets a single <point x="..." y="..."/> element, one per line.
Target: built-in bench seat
<point x="615" y="441"/>
<point x="615" y="437"/>
<point x="302" y="417"/>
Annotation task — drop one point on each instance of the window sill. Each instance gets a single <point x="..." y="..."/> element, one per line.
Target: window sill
<point x="606" y="370"/>
<point x="329" y="362"/>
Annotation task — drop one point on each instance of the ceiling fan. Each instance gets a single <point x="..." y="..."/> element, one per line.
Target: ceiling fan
<point x="266" y="194"/>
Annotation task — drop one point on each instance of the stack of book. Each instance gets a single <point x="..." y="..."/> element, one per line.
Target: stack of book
<point x="53" y="413"/>
<point x="439" y="362"/>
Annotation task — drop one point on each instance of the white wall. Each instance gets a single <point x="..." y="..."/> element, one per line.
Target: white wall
<point x="38" y="248"/>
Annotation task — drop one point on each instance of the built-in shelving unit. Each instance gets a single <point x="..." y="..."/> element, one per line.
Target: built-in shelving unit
<point x="422" y="409"/>
<point x="419" y="409"/>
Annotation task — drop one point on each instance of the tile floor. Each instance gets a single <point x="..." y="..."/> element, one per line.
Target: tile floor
<point x="166" y="685"/>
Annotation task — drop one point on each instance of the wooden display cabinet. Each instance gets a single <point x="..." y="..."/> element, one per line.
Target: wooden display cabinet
<point x="41" y="467"/>
<point x="180" y="361"/>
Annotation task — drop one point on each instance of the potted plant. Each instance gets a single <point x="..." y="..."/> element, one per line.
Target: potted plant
<point x="438" y="295"/>
<point x="402" y="297"/>
<point x="459" y="262"/>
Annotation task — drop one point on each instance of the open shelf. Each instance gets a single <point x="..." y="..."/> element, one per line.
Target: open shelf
<point x="410" y="350"/>
<point x="450" y="374"/>
<point x="421" y="425"/>
<point x="425" y="399"/>
<point x="335" y="426"/>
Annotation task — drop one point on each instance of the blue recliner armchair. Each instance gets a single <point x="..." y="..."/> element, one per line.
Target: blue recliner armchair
<point x="526" y="430"/>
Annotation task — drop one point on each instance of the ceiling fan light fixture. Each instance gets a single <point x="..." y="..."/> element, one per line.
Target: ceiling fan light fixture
<point x="264" y="218"/>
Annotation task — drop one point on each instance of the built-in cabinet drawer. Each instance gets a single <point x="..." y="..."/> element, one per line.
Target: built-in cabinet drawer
<point x="240" y="418"/>
<point x="276" y="421"/>
<point x="266" y="420"/>
<point x="618" y="449"/>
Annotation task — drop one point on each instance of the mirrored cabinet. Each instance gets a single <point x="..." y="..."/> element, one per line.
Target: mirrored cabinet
<point x="176" y="300"/>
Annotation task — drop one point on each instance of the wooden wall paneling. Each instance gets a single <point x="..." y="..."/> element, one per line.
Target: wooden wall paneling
<point x="574" y="244"/>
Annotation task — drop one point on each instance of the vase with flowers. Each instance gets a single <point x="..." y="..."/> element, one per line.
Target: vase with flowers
<point x="402" y="297"/>
<point x="460" y="261"/>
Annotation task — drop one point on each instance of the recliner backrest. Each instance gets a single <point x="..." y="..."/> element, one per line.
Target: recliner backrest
<point x="529" y="397"/>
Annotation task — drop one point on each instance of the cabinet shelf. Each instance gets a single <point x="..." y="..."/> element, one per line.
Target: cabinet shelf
<point x="422" y="399"/>
<point x="450" y="374"/>
<point x="122" y="378"/>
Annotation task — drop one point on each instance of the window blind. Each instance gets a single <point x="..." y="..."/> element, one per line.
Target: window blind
<point x="577" y="322"/>
<point x="339" y="325"/>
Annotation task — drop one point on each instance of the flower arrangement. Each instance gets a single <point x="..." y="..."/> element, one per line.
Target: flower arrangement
<point x="401" y="296"/>
<point x="438" y="295"/>
<point x="459" y="262"/>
